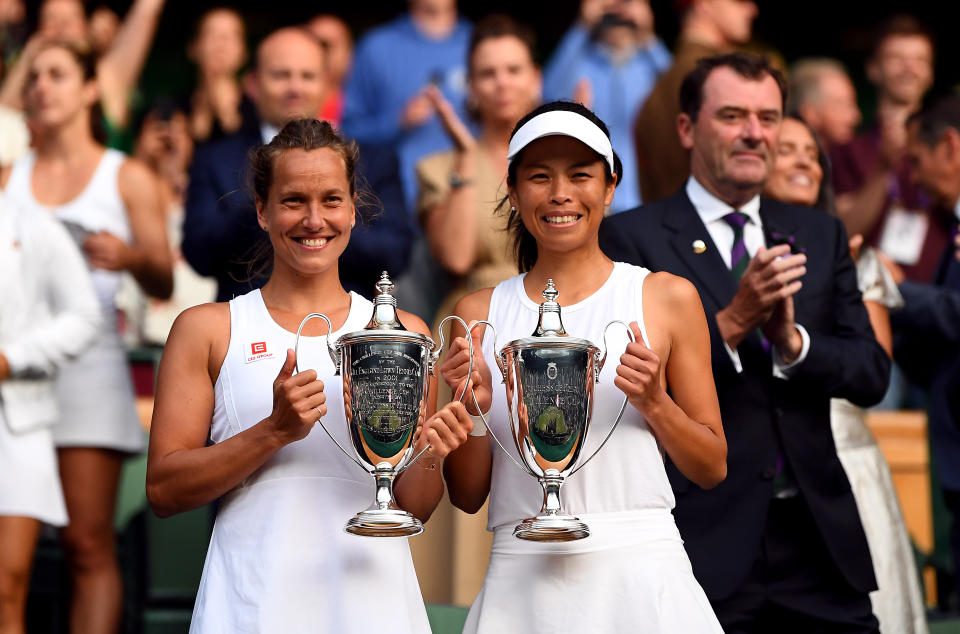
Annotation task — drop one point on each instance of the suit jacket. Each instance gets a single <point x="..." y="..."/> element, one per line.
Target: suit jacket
<point x="927" y="346"/>
<point x="221" y="236"/>
<point x="722" y="528"/>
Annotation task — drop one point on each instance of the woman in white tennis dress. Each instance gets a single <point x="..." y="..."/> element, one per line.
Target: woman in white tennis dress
<point x="232" y="421"/>
<point x="631" y="574"/>
<point x="110" y="205"/>
<point x="49" y="314"/>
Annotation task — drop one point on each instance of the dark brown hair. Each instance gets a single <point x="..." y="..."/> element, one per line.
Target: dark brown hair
<point x="524" y="244"/>
<point x="935" y="117"/>
<point x="748" y="66"/>
<point x="87" y="62"/>
<point x="500" y="25"/>
<point x="901" y="25"/>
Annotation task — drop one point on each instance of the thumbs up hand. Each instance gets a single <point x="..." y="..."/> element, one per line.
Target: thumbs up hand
<point x="298" y="402"/>
<point x="638" y="374"/>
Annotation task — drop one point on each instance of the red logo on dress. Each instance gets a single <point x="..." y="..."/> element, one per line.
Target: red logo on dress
<point x="258" y="348"/>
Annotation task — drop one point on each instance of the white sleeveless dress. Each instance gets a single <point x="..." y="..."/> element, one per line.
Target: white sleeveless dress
<point x="94" y="391"/>
<point x="279" y="559"/>
<point x="632" y="573"/>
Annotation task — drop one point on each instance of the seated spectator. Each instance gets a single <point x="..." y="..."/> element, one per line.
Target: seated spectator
<point x="118" y="68"/>
<point x="460" y="189"/>
<point x="218" y="107"/>
<point x="822" y="94"/>
<point x="386" y="99"/>
<point x="609" y="61"/>
<point x="801" y="176"/>
<point x="875" y="196"/>
<point x="49" y="315"/>
<point x="710" y="27"/>
<point x="334" y="36"/>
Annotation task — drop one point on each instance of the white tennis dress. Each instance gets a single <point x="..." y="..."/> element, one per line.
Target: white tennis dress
<point x="631" y="574"/>
<point x="95" y="390"/>
<point x="279" y="559"/>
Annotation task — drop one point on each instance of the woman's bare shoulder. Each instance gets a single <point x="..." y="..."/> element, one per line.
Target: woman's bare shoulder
<point x="475" y="305"/>
<point x="670" y="291"/>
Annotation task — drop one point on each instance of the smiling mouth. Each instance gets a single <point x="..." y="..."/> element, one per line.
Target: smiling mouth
<point x="313" y="243"/>
<point x="565" y="219"/>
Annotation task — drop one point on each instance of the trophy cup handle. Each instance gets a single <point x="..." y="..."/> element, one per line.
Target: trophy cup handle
<point x="602" y="358"/>
<point x="335" y="357"/>
<point x="503" y="376"/>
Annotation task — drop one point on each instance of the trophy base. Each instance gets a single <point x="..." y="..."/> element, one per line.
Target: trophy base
<point x="384" y="523"/>
<point x="551" y="528"/>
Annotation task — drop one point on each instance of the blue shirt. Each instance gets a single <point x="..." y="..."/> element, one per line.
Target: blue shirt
<point x="619" y="90"/>
<point x="393" y="63"/>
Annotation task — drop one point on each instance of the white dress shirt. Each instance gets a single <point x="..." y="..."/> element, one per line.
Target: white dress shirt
<point x="711" y="211"/>
<point x="267" y="132"/>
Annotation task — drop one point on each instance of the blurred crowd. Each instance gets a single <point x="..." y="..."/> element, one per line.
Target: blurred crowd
<point x="157" y="197"/>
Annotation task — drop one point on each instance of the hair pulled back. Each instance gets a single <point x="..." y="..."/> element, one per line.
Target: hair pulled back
<point x="86" y="59"/>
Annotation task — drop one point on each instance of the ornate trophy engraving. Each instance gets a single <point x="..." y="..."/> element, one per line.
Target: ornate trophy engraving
<point x="386" y="370"/>
<point x="549" y="379"/>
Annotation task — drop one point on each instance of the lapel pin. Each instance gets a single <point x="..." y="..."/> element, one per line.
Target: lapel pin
<point x="699" y="246"/>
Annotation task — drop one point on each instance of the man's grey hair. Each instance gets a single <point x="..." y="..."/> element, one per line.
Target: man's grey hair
<point x="805" y="77"/>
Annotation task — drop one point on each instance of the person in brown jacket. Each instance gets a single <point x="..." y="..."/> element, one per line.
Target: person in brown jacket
<point x="709" y="27"/>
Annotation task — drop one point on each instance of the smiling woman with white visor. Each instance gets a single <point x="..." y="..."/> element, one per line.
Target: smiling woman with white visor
<point x="631" y="572"/>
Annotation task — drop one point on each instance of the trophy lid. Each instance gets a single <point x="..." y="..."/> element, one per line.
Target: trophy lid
<point x="549" y="324"/>
<point x="384" y="307"/>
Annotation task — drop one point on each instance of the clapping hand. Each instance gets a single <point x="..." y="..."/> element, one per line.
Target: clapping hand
<point x="458" y="132"/>
<point x="298" y="402"/>
<point x="638" y="375"/>
<point x="106" y="251"/>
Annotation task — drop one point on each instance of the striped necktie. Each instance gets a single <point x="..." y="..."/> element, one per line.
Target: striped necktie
<point x="739" y="257"/>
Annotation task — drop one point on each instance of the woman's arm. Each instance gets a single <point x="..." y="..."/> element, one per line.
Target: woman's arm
<point x="420" y="488"/>
<point x="880" y="321"/>
<point x="467" y="470"/>
<point x="119" y="69"/>
<point x="688" y="425"/>
<point x="451" y="223"/>
<point x="182" y="472"/>
<point x="148" y="259"/>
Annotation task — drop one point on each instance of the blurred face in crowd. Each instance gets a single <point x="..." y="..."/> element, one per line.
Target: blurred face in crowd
<point x="56" y="92"/>
<point x="63" y="20"/>
<point x="504" y="82"/>
<point x="733" y="18"/>
<point x="732" y="141"/>
<point x="163" y="139"/>
<point x="337" y="44"/>
<point x="835" y="114"/>
<point x="561" y="192"/>
<point x="903" y="68"/>
<point x="936" y="168"/>
<point x="796" y="174"/>
<point x="220" y="47"/>
<point x="432" y="6"/>
<point x="309" y="211"/>
<point x="289" y="79"/>
<point x="104" y="24"/>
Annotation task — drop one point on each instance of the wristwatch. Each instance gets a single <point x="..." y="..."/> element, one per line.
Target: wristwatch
<point x="457" y="181"/>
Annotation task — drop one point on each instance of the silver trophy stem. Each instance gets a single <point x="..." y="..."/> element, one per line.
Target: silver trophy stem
<point x="384" y="518"/>
<point x="551" y="525"/>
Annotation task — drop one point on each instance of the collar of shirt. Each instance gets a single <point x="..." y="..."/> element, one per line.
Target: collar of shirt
<point x="710" y="208"/>
<point x="267" y="132"/>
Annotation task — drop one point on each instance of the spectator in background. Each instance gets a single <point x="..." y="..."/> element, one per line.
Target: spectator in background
<point x="875" y="196"/>
<point x="386" y="99"/>
<point x="460" y="189"/>
<point x="709" y="27"/>
<point x="218" y="106"/>
<point x="220" y="231"/>
<point x="334" y="36"/>
<point x="823" y="96"/>
<point x="48" y="315"/>
<point x="12" y="30"/>
<point x="927" y="330"/>
<point x="111" y="205"/>
<point x="801" y="176"/>
<point x="609" y="61"/>
<point x="118" y="69"/>
<point x="104" y="24"/>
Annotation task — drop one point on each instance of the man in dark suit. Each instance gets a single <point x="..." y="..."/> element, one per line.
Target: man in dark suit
<point x="778" y="546"/>
<point x="927" y="329"/>
<point x="221" y="237"/>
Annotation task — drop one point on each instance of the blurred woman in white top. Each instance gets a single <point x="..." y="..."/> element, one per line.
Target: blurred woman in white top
<point x="110" y="205"/>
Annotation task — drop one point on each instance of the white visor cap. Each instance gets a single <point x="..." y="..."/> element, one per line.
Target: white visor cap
<point x="563" y="123"/>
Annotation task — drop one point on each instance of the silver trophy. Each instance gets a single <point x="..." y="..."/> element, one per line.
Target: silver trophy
<point x="549" y="379"/>
<point x="386" y="370"/>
